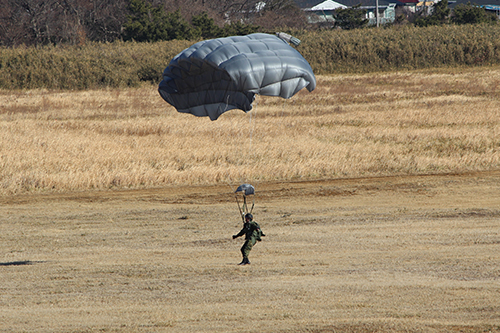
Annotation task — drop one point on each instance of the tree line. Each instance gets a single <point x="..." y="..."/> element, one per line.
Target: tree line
<point x="74" y="22"/>
<point x="42" y="22"/>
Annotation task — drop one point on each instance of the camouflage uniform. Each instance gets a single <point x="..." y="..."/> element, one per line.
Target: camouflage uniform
<point x="253" y="233"/>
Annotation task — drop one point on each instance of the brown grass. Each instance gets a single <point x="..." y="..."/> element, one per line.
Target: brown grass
<point x="350" y="126"/>
<point x="401" y="252"/>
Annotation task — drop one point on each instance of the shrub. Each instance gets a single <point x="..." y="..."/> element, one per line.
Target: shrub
<point x="122" y="64"/>
<point x="440" y="15"/>
<point x="350" y="18"/>
<point x="471" y="14"/>
<point x="95" y="65"/>
<point x="150" y="24"/>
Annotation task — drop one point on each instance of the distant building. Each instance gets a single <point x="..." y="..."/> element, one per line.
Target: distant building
<point x="318" y="11"/>
<point x="407" y="5"/>
<point x="493" y="8"/>
<point x="323" y="11"/>
<point x="387" y="13"/>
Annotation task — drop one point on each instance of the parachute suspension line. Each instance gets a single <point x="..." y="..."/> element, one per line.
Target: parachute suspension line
<point x="242" y="210"/>
<point x="244" y="207"/>
<point x="251" y="131"/>
<point x="227" y="102"/>
<point x="251" y="124"/>
<point x="253" y="204"/>
<point x="239" y="208"/>
<point x="225" y="108"/>
<point x="250" y="128"/>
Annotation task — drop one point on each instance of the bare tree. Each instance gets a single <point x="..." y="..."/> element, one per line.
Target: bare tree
<point x="190" y="8"/>
<point x="39" y="22"/>
<point x="105" y="18"/>
<point x="265" y="13"/>
<point x="10" y="33"/>
<point x="28" y="21"/>
<point x="280" y="14"/>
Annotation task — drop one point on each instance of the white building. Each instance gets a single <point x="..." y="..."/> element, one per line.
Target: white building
<point x="323" y="12"/>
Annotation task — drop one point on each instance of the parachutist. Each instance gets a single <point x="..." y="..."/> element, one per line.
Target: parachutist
<point x="253" y="234"/>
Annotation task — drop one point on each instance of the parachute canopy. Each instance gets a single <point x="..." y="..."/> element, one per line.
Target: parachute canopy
<point x="247" y="189"/>
<point x="217" y="75"/>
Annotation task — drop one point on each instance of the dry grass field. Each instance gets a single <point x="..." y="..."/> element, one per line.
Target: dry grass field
<point x="379" y="195"/>
<point x="350" y="126"/>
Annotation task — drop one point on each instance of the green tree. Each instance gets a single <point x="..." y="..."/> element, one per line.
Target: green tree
<point x="440" y="15"/>
<point x="471" y="14"/>
<point x="147" y="23"/>
<point x="206" y="26"/>
<point x="239" y="29"/>
<point x="350" y="18"/>
<point x="180" y="28"/>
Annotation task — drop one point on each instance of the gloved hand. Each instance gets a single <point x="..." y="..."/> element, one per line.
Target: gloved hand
<point x="234" y="236"/>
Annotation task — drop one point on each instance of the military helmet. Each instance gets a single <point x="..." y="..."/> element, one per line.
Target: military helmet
<point x="249" y="216"/>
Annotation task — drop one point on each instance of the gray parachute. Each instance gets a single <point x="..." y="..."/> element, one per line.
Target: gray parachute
<point x="217" y="75"/>
<point x="246" y="189"/>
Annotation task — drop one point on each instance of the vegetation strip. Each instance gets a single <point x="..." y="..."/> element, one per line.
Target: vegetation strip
<point x="128" y="64"/>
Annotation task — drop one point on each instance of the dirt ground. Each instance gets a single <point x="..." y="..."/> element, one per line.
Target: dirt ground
<point x="398" y="254"/>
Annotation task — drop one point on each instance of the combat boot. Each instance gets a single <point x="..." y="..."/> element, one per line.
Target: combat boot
<point x="245" y="261"/>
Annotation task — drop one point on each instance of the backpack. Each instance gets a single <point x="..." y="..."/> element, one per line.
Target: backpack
<point x="259" y="232"/>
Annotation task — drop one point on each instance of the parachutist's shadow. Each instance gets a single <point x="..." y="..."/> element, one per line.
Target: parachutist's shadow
<point x="19" y="263"/>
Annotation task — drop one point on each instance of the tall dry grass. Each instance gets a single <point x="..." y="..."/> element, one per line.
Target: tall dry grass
<point x="350" y="126"/>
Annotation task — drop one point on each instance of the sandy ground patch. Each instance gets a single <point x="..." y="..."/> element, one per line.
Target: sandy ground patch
<point x="401" y="254"/>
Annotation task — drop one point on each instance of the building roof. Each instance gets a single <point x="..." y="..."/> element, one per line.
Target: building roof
<point x="326" y="5"/>
<point x="481" y="3"/>
<point x="425" y="4"/>
<point x="307" y="3"/>
<point x="408" y="2"/>
<point x="367" y="3"/>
